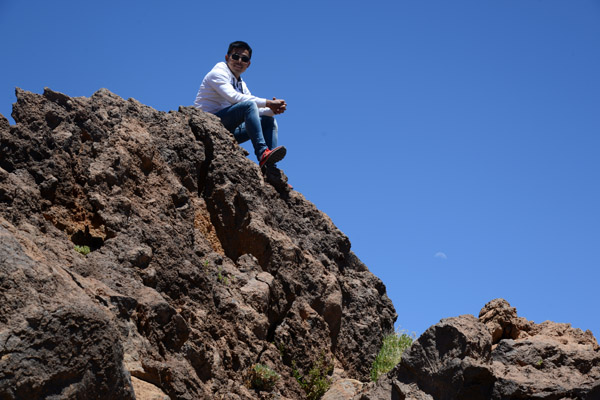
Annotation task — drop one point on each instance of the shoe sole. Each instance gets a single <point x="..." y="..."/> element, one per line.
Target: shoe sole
<point x="276" y="155"/>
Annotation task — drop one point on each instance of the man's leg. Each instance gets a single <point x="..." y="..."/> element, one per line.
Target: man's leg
<point x="245" y="113"/>
<point x="274" y="153"/>
<point x="269" y="129"/>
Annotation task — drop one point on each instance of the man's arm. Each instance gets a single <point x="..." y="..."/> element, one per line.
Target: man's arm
<point x="220" y="83"/>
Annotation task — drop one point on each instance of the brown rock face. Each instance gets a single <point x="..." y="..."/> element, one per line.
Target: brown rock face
<point x="498" y="356"/>
<point x="199" y="267"/>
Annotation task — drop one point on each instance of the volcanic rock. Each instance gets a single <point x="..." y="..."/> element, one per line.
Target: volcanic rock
<point x="143" y="254"/>
<point x="496" y="356"/>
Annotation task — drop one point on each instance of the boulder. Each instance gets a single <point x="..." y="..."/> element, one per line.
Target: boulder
<point x="496" y="356"/>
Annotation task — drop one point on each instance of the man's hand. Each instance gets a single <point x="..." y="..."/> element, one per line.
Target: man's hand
<point x="278" y="106"/>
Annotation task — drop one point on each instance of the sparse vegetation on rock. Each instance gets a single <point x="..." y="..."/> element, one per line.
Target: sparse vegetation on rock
<point x="85" y="250"/>
<point x="261" y="377"/>
<point x="390" y="354"/>
<point x="317" y="380"/>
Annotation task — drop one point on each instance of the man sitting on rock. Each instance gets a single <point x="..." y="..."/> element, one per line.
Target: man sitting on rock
<point x="225" y="94"/>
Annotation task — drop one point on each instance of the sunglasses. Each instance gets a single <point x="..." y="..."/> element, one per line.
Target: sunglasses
<point x="236" y="56"/>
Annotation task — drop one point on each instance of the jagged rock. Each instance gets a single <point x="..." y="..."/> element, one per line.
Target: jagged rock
<point x="343" y="389"/>
<point x="498" y="356"/>
<point x="200" y="265"/>
<point x="147" y="391"/>
<point x="502" y="321"/>
<point x="56" y="341"/>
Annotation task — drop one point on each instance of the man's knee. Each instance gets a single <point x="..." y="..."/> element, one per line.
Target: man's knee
<point x="268" y="121"/>
<point x="248" y="105"/>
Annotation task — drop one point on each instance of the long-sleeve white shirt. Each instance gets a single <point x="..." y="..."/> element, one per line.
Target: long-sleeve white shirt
<point x="221" y="89"/>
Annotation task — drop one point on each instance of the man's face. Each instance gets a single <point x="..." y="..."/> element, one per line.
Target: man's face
<point x="238" y="66"/>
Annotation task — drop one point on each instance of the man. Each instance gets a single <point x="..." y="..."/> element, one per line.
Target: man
<point x="225" y="94"/>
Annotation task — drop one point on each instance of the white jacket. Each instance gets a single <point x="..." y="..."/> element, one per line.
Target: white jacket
<point x="218" y="91"/>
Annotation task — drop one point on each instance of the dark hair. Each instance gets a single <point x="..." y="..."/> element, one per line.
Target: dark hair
<point x="240" y="45"/>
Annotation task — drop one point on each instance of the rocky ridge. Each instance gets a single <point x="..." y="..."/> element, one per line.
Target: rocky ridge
<point x="496" y="356"/>
<point x="199" y="267"/>
<point x="202" y="266"/>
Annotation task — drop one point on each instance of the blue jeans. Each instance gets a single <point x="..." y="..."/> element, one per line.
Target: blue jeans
<point x="242" y="119"/>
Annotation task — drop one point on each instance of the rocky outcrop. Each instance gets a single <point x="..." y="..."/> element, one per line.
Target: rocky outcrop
<point x="143" y="256"/>
<point x="199" y="267"/>
<point x="496" y="356"/>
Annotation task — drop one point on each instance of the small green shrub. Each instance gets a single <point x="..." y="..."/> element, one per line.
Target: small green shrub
<point x="390" y="354"/>
<point x="261" y="377"/>
<point x="221" y="277"/>
<point x="85" y="250"/>
<point x="317" y="382"/>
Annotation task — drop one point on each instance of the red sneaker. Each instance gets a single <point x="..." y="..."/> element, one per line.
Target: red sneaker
<point x="272" y="156"/>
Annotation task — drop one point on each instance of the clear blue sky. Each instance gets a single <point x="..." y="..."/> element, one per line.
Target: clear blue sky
<point x="456" y="143"/>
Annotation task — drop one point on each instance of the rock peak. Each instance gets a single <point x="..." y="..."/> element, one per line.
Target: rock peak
<point x="142" y="251"/>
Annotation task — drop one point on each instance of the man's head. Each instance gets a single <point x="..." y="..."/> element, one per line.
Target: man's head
<point x="238" y="57"/>
<point x="239" y="45"/>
